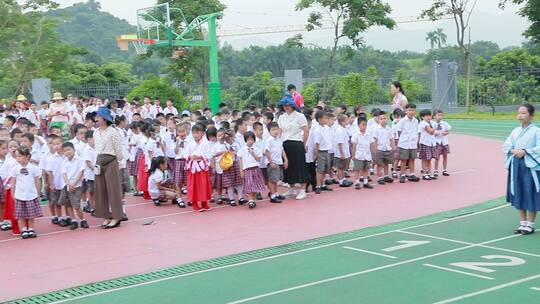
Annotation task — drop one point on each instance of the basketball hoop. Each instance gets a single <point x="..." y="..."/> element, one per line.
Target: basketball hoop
<point x="140" y="47"/>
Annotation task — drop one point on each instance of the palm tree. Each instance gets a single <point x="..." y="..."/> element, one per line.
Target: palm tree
<point x="433" y="39"/>
<point x="441" y="37"/>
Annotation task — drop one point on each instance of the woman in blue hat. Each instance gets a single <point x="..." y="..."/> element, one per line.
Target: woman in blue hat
<point x="108" y="188"/>
<point x="294" y="135"/>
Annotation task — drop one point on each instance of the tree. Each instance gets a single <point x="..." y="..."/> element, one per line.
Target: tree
<point x="294" y="42"/>
<point x="432" y="38"/>
<point x="461" y="11"/>
<point x="530" y="10"/>
<point x="441" y="37"/>
<point x="29" y="45"/>
<point x="349" y="19"/>
<point x="157" y="87"/>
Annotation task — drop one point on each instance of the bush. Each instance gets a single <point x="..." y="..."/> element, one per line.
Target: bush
<point x="156" y="87"/>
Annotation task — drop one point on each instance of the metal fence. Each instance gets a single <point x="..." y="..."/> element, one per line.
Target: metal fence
<point x="103" y="90"/>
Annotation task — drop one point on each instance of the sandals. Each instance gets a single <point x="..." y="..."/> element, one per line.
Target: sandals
<point x="5" y="227"/>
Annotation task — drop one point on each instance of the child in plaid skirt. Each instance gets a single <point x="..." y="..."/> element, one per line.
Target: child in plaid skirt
<point x="217" y="151"/>
<point x="135" y="153"/>
<point x="26" y="184"/>
<point x="249" y="157"/>
<point x="426" y="149"/>
<point x="179" y="174"/>
<point x="231" y="178"/>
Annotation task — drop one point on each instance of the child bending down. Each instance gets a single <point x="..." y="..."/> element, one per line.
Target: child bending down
<point x="161" y="189"/>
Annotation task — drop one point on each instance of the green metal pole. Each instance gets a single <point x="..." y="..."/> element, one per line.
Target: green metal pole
<point x="214" y="86"/>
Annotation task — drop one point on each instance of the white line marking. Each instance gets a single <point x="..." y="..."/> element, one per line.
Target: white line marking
<point x="487" y="290"/>
<point x="370" y="252"/>
<point x="405" y="245"/>
<point x="365" y="271"/>
<point x="282" y="255"/>
<point x="535" y="288"/>
<point x="467" y="243"/>
<point x="459" y="271"/>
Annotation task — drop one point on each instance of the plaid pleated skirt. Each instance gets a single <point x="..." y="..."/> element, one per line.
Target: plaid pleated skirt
<point x="179" y="175"/>
<point x="253" y="180"/>
<point x="134" y="165"/>
<point x="171" y="164"/>
<point x="216" y="180"/>
<point x="231" y="177"/>
<point x="25" y="210"/>
<point x="426" y="152"/>
<point x="441" y="149"/>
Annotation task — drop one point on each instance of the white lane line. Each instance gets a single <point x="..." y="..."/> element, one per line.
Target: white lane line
<point x="458" y="271"/>
<point x="535" y="288"/>
<point x="280" y="255"/>
<point x="467" y="243"/>
<point x="370" y="252"/>
<point x="365" y="271"/>
<point x="488" y="290"/>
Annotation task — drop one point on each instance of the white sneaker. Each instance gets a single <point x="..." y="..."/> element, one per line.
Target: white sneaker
<point x="302" y="195"/>
<point x="290" y="192"/>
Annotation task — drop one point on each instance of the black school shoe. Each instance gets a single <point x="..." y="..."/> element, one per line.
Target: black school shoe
<point x="326" y="188"/>
<point x="445" y="173"/>
<point x="402" y="179"/>
<point x="381" y="181"/>
<point x="413" y="178"/>
<point x="368" y="186"/>
<point x="55" y="221"/>
<point x="25" y="235"/>
<point x="346" y="183"/>
<point x="242" y="201"/>
<point x="156" y="202"/>
<point x="74" y="225"/>
<point x="232" y="203"/>
<point x="388" y="179"/>
<point x="64" y="222"/>
<point x="328" y="182"/>
<point x="357" y="186"/>
<point x="259" y="197"/>
<point x="84" y="224"/>
<point x="275" y="200"/>
<point x="281" y="197"/>
<point x="32" y="234"/>
<point x="318" y="190"/>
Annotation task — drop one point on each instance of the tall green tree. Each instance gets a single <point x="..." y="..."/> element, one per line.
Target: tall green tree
<point x="349" y="19"/>
<point x="29" y="45"/>
<point x="432" y="38"/>
<point x="531" y="10"/>
<point x="441" y="37"/>
<point x="461" y="11"/>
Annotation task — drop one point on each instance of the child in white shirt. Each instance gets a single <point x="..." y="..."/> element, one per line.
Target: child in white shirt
<point x="427" y="144"/>
<point x="249" y="157"/>
<point x="277" y="161"/>
<point x="342" y="151"/>
<point x="90" y="158"/>
<point x="160" y="188"/>
<point x="442" y="147"/>
<point x="384" y="138"/>
<point x="72" y="172"/>
<point x="363" y="147"/>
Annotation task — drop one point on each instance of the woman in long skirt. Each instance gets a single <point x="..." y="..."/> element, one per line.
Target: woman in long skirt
<point x="522" y="152"/>
<point x="108" y="188"/>
<point x="295" y="134"/>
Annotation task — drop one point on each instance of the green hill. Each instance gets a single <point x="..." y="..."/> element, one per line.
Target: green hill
<point x="85" y="25"/>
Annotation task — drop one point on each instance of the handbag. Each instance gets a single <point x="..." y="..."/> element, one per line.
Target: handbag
<point x="226" y="161"/>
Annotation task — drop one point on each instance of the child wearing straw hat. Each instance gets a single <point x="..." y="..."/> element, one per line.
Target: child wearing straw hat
<point x="58" y="113"/>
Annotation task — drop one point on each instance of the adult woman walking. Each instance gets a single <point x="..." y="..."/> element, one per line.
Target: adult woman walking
<point x="58" y="114"/>
<point x="399" y="100"/>
<point x="522" y="152"/>
<point x="108" y="188"/>
<point x="294" y="135"/>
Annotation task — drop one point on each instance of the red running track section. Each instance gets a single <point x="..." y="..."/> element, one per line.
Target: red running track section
<point x="61" y="258"/>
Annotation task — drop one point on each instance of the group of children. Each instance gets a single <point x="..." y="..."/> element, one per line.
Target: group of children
<point x="196" y="158"/>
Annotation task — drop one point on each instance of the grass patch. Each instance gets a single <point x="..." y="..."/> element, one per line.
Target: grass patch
<point x="482" y="115"/>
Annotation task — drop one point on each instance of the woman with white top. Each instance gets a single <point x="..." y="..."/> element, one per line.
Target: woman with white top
<point x="294" y="135"/>
<point x="399" y="100"/>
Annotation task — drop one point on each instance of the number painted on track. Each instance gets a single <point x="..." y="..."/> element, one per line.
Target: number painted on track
<point x="406" y="244"/>
<point x="478" y="266"/>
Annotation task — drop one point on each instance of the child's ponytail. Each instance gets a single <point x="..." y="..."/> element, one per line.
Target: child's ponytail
<point x="156" y="163"/>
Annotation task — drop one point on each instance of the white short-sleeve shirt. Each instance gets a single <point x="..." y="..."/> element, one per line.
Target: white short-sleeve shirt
<point x="54" y="165"/>
<point x="291" y="126"/>
<point x="441" y="127"/>
<point x="363" y="143"/>
<point x="383" y="135"/>
<point x="154" y="181"/>
<point x="275" y="147"/>
<point x="322" y="136"/>
<point x="341" y="136"/>
<point x="72" y="168"/>
<point x="25" y="177"/>
<point x="248" y="161"/>
<point x="408" y="133"/>
<point x="90" y="155"/>
<point x="426" y="138"/>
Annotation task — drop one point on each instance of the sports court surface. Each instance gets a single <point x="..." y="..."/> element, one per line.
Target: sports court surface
<point x="467" y="255"/>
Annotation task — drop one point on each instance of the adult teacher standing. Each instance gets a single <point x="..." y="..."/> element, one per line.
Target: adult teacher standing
<point x="108" y="189"/>
<point x="399" y="100"/>
<point x="294" y="135"/>
<point x="522" y="153"/>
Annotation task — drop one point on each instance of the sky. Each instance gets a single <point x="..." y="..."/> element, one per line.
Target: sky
<point x="488" y="22"/>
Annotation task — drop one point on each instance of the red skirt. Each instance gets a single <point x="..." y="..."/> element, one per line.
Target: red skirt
<point x="142" y="178"/>
<point x="198" y="186"/>
<point x="9" y="212"/>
